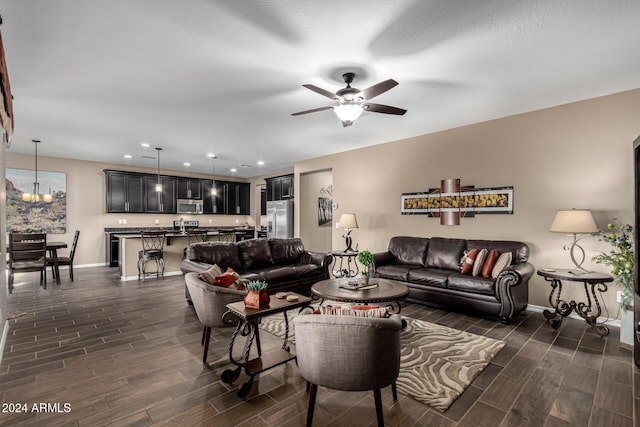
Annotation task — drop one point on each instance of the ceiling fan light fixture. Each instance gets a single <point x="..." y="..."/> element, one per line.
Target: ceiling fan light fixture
<point x="348" y="112"/>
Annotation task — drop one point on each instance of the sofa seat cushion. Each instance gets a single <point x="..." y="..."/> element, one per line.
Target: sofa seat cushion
<point x="431" y="276"/>
<point x="473" y="284"/>
<point x="276" y="274"/>
<point x="255" y="253"/>
<point x="395" y="271"/>
<point x="304" y="271"/>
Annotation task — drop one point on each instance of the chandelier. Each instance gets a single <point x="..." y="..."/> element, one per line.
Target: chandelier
<point x="35" y="196"/>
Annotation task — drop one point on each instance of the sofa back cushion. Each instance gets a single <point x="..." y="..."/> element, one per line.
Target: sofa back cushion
<point x="519" y="251"/>
<point x="445" y="253"/>
<point x="255" y="253"/>
<point x="222" y="253"/>
<point x="409" y="250"/>
<point x="286" y="251"/>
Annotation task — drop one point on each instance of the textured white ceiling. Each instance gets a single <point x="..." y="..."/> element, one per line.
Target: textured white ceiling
<point x="93" y="79"/>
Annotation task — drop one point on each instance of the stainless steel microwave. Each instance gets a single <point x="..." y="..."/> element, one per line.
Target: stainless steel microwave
<point x="189" y="206"/>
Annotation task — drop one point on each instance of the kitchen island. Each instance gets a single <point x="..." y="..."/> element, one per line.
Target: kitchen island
<point x="129" y="244"/>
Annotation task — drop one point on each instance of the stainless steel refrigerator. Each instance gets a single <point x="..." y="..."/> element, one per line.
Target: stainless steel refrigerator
<point x="280" y="219"/>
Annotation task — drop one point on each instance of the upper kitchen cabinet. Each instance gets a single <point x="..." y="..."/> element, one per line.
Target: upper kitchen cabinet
<point x="125" y="192"/>
<point x="160" y="201"/>
<point x="213" y="204"/>
<point x="189" y="188"/>
<point x="238" y="198"/>
<point x="280" y="187"/>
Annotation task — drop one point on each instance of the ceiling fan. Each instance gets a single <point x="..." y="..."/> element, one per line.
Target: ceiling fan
<point x="351" y="102"/>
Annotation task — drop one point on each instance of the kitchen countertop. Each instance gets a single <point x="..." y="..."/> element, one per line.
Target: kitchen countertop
<point x="125" y="230"/>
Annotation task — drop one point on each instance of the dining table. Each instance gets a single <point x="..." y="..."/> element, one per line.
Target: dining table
<point x="53" y="247"/>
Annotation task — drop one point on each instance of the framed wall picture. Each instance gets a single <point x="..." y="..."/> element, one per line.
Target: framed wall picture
<point x="46" y="217"/>
<point x="325" y="212"/>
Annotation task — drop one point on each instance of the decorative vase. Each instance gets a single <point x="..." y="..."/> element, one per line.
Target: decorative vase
<point x="256" y="299"/>
<point x="263" y="299"/>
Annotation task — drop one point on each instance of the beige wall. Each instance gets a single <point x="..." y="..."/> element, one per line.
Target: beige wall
<point x="317" y="238"/>
<point x="576" y="155"/>
<point x="86" y="205"/>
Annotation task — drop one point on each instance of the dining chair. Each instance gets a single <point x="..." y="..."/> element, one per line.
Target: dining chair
<point x="28" y="253"/>
<point x="152" y="250"/>
<point x="65" y="260"/>
<point x="348" y="353"/>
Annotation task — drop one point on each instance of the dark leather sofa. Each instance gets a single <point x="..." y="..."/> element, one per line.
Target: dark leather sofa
<point x="283" y="263"/>
<point x="431" y="269"/>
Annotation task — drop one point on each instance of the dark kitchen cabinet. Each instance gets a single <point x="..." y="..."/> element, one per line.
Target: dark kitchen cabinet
<point x="189" y="188"/>
<point x="160" y="202"/>
<point x="280" y="187"/>
<point x="263" y="201"/>
<point x="125" y="192"/>
<point x="213" y="204"/>
<point x="238" y="198"/>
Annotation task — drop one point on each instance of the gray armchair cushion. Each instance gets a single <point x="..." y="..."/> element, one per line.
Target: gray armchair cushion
<point x="210" y="301"/>
<point x="348" y="353"/>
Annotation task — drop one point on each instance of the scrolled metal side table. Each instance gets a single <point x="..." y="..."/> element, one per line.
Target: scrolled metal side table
<point x="589" y="310"/>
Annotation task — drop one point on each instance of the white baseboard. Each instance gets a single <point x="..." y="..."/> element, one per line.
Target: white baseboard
<point x="606" y="321"/>
<point x="169" y="273"/>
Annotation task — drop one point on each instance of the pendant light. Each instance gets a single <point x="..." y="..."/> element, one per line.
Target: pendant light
<point x="158" y="184"/>
<point x="35" y="196"/>
<point x="214" y="191"/>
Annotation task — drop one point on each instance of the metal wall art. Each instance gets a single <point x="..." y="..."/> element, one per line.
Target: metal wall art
<point x="451" y="201"/>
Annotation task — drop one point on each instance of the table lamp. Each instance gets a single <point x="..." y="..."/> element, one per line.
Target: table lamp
<point x="576" y="222"/>
<point x="348" y="222"/>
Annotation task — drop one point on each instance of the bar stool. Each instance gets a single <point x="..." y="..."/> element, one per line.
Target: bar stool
<point x="194" y="236"/>
<point x="227" y="236"/>
<point x="152" y="249"/>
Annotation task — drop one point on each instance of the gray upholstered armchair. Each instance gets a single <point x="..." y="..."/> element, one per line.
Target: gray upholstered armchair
<point x="210" y="303"/>
<point x="348" y="353"/>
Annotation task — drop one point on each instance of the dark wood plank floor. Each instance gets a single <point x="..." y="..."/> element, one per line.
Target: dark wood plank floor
<point x="129" y="354"/>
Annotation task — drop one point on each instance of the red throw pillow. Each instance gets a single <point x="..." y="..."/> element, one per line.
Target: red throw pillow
<point x="490" y="262"/>
<point x="467" y="262"/>
<point x="227" y="278"/>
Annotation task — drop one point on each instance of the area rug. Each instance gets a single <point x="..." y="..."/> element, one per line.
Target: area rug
<point x="437" y="363"/>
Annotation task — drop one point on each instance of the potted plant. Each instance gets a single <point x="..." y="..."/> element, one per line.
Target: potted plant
<point x="621" y="260"/>
<point x="365" y="257"/>
<point x="257" y="294"/>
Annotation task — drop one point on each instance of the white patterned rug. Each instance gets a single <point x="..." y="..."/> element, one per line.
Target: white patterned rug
<point x="437" y="363"/>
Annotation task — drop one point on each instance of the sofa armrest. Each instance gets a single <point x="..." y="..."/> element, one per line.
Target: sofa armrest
<point x="383" y="258"/>
<point x="512" y="276"/>
<point x="317" y="258"/>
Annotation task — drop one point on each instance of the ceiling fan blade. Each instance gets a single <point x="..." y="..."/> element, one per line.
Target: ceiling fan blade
<point x="311" y="111"/>
<point x="378" y="88"/>
<point x="321" y="91"/>
<point x="387" y="109"/>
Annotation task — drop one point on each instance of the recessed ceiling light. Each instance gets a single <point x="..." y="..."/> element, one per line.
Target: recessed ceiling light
<point x="145" y="145"/>
<point x="244" y="166"/>
<point x="212" y="156"/>
<point x="128" y="156"/>
<point x="187" y="164"/>
<point x="260" y="163"/>
<point x="233" y="170"/>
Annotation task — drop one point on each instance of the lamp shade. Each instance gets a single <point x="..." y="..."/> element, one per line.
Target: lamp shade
<point x="574" y="221"/>
<point x="348" y="220"/>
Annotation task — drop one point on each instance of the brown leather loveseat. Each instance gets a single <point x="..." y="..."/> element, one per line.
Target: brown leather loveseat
<point x="283" y="263"/>
<point x="431" y="269"/>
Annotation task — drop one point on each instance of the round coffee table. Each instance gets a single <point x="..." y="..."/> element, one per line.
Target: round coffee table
<point x="388" y="291"/>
